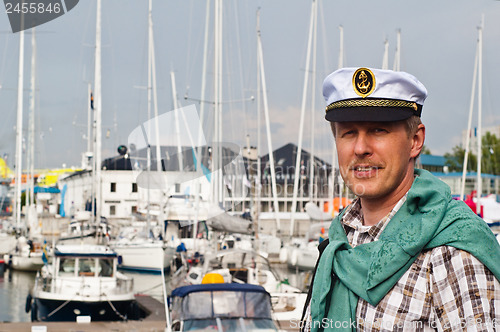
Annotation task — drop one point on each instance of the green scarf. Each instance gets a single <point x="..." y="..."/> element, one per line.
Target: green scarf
<point x="429" y="218"/>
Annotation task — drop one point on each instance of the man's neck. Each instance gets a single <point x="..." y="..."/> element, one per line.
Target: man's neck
<point x="376" y="209"/>
<point x="373" y="212"/>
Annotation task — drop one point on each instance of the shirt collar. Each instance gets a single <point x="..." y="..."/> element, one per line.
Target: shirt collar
<point x="353" y="218"/>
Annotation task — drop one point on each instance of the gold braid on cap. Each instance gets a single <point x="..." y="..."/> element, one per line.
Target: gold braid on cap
<point x="372" y="103"/>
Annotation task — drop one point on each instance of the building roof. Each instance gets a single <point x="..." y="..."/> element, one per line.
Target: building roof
<point x="430" y="160"/>
<point x="285" y="158"/>
<point x="468" y="175"/>
<point x="137" y="159"/>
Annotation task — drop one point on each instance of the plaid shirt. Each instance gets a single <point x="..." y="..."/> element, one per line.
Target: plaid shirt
<point x="445" y="289"/>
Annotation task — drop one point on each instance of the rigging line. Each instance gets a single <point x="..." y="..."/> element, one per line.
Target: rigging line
<point x="325" y="46"/>
<point x="112" y="95"/>
<point x="142" y="102"/>
<point x="493" y="116"/>
<point x="114" y="309"/>
<point x="227" y="84"/>
<point x="240" y="74"/>
<point x="238" y="54"/>
<point x="190" y="67"/>
<point x="5" y="57"/>
<point x="149" y="289"/>
<point x="61" y="306"/>
<point x="242" y="81"/>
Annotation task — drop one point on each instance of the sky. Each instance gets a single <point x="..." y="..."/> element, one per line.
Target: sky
<point x="438" y="46"/>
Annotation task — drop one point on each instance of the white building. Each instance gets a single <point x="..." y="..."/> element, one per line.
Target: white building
<point x="495" y="130"/>
<point x="126" y="190"/>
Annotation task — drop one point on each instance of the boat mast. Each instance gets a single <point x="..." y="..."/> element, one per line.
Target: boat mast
<point x="260" y="62"/>
<point x="397" y="57"/>
<point x="19" y="132"/>
<point x="152" y="86"/>
<point x="258" y="183"/>
<point x="334" y="146"/>
<point x="479" y="116"/>
<point x="198" y="154"/>
<point x="302" y="114"/>
<point x="469" y="125"/>
<point x="385" y="59"/>
<point x="217" y="179"/>
<point x="313" y="103"/>
<point x="31" y="125"/>
<point x="177" y="124"/>
<point x="97" y="117"/>
<point x="478" y="68"/>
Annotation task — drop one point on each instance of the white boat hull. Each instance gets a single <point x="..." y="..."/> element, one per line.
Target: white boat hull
<point x="34" y="262"/>
<point x="145" y="257"/>
<point x="7" y="243"/>
<point x="82" y="281"/>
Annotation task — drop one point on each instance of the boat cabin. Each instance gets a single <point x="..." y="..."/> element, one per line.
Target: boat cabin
<point x="222" y="307"/>
<point x="101" y="262"/>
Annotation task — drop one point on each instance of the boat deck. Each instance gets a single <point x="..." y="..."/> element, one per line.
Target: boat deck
<point x="154" y="322"/>
<point x="139" y="326"/>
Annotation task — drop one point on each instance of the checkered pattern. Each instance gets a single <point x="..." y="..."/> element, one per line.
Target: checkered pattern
<point x="445" y="289"/>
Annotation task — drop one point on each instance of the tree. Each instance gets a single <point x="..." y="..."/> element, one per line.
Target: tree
<point x="490" y="158"/>
<point x="455" y="160"/>
<point x="426" y="150"/>
<point x="490" y="161"/>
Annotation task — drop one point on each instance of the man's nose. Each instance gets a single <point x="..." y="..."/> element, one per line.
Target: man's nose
<point x="362" y="146"/>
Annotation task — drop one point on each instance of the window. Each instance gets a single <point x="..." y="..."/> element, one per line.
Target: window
<point x="112" y="210"/>
<point x="113" y="187"/>
<point x="67" y="266"/>
<point x="105" y="268"/>
<point x="86" y="267"/>
<point x="177" y="187"/>
<point x="134" y="209"/>
<point x="134" y="187"/>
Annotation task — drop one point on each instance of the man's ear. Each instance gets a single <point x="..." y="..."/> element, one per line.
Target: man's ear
<point x="418" y="140"/>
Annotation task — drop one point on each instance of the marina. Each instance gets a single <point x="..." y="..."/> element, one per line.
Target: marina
<point x="15" y="285"/>
<point x="216" y="176"/>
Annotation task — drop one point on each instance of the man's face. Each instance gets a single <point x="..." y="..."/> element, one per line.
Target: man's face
<point x="375" y="157"/>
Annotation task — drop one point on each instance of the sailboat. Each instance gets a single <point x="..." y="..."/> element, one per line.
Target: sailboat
<point x="487" y="207"/>
<point x="29" y="253"/>
<point x="139" y="249"/>
<point x="83" y="279"/>
<point x="247" y="266"/>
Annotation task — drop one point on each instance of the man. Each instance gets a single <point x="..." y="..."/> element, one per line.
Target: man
<point x="404" y="256"/>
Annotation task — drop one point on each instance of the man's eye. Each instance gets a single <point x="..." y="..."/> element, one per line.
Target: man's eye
<point x="347" y="133"/>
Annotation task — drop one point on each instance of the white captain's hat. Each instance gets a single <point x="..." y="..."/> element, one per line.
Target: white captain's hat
<point x="363" y="94"/>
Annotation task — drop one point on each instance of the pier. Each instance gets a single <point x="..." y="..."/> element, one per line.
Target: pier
<point x="154" y="322"/>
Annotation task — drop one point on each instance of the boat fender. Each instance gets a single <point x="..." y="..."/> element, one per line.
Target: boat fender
<point x="120" y="260"/>
<point x="29" y="299"/>
<point x="294" y="257"/>
<point x="283" y="255"/>
<point x="34" y="312"/>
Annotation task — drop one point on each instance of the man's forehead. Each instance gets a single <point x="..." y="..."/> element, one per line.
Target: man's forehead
<point x="369" y="124"/>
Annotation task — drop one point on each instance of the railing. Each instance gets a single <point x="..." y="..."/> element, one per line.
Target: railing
<point x="84" y="286"/>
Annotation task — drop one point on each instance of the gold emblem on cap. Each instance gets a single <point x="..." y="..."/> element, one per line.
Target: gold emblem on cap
<point x="363" y="82"/>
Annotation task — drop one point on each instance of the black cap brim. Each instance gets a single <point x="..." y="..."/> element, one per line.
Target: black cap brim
<point x="370" y="114"/>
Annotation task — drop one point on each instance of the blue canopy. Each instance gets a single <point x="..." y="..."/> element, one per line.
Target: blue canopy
<point x="51" y="190"/>
<point x="233" y="287"/>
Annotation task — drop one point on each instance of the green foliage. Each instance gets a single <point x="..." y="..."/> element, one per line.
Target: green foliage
<point x="426" y="150"/>
<point x="490" y="159"/>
